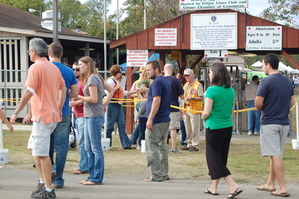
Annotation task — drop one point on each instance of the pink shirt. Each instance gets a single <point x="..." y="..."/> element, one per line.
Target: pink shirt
<point x="45" y="78"/>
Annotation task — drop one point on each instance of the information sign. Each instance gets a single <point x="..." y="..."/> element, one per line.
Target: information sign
<point x="213" y="31"/>
<point x="212" y="4"/>
<point x="137" y="58"/>
<point x="264" y="38"/>
<point x="165" y="37"/>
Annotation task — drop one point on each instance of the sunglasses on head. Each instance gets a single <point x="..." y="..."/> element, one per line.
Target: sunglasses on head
<point x="76" y="69"/>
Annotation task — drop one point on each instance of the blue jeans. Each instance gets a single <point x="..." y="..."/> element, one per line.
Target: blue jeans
<point x="60" y="141"/>
<point x="183" y="133"/>
<point x="142" y="121"/>
<point x="135" y="134"/>
<point x="116" y="114"/>
<point x="83" y="165"/>
<point x="93" y="146"/>
<point x="253" y="118"/>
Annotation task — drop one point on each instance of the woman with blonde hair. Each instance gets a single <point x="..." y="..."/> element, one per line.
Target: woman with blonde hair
<point x="94" y="111"/>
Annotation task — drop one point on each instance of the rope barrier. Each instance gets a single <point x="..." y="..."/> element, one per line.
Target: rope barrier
<point x="140" y="100"/>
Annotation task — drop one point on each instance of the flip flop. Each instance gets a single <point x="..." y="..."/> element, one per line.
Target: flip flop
<point x="264" y="188"/>
<point x="209" y="192"/>
<point x="234" y="194"/>
<point x="276" y="193"/>
<point x="88" y="182"/>
<point x="78" y="171"/>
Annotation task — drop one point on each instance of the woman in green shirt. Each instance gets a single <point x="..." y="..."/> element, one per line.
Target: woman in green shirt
<point x="217" y="114"/>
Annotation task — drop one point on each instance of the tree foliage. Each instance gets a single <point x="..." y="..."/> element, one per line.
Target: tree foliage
<point x="35" y="6"/>
<point x="156" y="12"/>
<point x="282" y="11"/>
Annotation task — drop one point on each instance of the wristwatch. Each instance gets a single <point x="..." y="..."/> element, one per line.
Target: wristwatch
<point x="16" y="113"/>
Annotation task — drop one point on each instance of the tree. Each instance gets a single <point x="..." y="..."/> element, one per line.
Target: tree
<point x="157" y="12"/>
<point x="283" y="11"/>
<point x="36" y="6"/>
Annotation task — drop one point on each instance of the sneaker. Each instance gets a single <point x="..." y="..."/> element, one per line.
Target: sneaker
<point x="175" y="150"/>
<point x="193" y="149"/>
<point x="44" y="194"/>
<point x="40" y="187"/>
<point x="256" y="133"/>
<point x="249" y="133"/>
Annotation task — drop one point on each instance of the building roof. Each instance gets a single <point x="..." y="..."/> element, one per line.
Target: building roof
<point x="18" y="21"/>
<point x="145" y="38"/>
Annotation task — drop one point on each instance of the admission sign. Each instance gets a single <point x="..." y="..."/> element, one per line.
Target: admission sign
<point x="267" y="38"/>
<point x="212" y="4"/>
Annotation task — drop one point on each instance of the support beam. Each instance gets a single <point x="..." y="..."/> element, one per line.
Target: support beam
<point x="290" y="59"/>
<point x="129" y="110"/>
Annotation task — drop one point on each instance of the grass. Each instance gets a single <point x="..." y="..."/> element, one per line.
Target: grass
<point x="245" y="161"/>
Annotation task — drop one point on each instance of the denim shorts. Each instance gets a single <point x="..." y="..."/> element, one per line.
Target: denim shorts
<point x="39" y="141"/>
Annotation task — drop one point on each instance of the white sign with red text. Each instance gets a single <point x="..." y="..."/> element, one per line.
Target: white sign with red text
<point x="165" y="37"/>
<point x="137" y="58"/>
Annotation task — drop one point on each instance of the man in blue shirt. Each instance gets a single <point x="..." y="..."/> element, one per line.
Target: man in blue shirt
<point x="157" y="111"/>
<point x="274" y="98"/>
<point x="176" y="92"/>
<point x="60" y="136"/>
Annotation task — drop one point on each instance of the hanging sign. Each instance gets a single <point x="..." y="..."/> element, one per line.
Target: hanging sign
<point x="216" y="53"/>
<point x="213" y="31"/>
<point x="137" y="58"/>
<point x="212" y="4"/>
<point x="264" y="38"/>
<point x="165" y="37"/>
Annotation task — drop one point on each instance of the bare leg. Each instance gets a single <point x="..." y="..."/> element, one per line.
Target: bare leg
<point x="233" y="187"/>
<point x="214" y="186"/>
<point x="44" y="169"/>
<point x="173" y="138"/>
<point x="270" y="182"/>
<point x="278" y="172"/>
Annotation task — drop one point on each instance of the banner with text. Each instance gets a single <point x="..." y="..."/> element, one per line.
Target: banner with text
<point x="165" y="37"/>
<point x="212" y="4"/>
<point x="213" y="31"/>
<point x="137" y="58"/>
<point x="264" y="38"/>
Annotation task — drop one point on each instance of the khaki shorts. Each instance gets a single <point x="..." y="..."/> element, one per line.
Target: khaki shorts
<point x="272" y="139"/>
<point x="174" y="120"/>
<point x="39" y="140"/>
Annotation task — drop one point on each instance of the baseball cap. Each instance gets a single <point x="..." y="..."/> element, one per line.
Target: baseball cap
<point x="188" y="71"/>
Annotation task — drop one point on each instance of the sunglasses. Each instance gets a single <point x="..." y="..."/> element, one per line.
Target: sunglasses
<point x="119" y="72"/>
<point x="186" y="75"/>
<point x="76" y="69"/>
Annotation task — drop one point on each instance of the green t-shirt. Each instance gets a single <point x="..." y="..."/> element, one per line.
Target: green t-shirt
<point x="223" y="102"/>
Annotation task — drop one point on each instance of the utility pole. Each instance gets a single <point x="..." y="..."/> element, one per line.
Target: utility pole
<point x="117" y="36"/>
<point x="55" y="20"/>
<point x="105" y="40"/>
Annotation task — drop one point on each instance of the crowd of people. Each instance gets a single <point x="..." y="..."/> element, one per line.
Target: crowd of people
<point x="52" y="88"/>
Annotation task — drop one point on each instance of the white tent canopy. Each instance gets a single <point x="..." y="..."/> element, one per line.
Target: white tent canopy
<point x="257" y="64"/>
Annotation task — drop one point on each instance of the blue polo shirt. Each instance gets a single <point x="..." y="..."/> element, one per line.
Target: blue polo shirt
<point x="159" y="87"/>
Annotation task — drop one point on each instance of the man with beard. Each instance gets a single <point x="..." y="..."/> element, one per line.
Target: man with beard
<point x="157" y="111"/>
